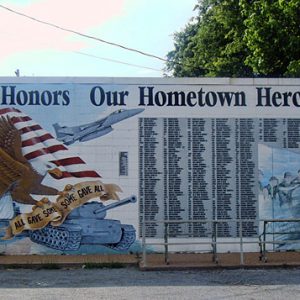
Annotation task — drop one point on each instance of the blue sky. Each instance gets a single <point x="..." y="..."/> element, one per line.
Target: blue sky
<point x="38" y="50"/>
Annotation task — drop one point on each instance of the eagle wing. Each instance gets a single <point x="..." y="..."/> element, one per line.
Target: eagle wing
<point x="11" y="171"/>
<point x="16" y="173"/>
<point x="10" y="140"/>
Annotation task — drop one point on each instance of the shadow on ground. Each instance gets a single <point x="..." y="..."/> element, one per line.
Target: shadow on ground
<point x="129" y="277"/>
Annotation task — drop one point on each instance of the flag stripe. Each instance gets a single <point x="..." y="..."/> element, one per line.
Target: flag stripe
<point x="20" y="119"/>
<point x="44" y="151"/>
<point x="30" y="129"/>
<point x="68" y="161"/>
<point x="35" y="140"/>
<point x="8" y="110"/>
<point x="79" y="174"/>
<point x="44" y="145"/>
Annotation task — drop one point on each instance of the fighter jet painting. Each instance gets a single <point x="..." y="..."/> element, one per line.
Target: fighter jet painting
<point x="89" y="131"/>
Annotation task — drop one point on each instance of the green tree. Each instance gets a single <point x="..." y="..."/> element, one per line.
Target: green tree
<point x="178" y="59"/>
<point x="239" y="38"/>
<point x="273" y="36"/>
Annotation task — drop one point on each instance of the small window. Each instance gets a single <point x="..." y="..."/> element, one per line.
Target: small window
<point x="123" y="164"/>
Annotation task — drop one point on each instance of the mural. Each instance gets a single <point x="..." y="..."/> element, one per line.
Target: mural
<point x="76" y="152"/>
<point x="280" y="194"/>
<point x="71" y="220"/>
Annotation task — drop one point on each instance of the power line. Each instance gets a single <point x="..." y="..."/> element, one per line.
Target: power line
<point x="115" y="61"/>
<point x="105" y="58"/>
<point x="83" y="35"/>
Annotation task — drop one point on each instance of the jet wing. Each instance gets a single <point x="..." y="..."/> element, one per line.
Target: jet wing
<point x="85" y="132"/>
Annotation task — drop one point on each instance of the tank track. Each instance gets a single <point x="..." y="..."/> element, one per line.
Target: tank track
<point x="64" y="239"/>
<point x="58" y="238"/>
<point x="127" y="239"/>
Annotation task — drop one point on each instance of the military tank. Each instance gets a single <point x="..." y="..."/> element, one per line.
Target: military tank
<point x="86" y="225"/>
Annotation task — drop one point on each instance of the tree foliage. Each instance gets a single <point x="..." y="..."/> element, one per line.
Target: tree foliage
<point x="239" y="38"/>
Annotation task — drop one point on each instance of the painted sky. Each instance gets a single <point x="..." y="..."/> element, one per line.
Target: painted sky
<point x="39" y="50"/>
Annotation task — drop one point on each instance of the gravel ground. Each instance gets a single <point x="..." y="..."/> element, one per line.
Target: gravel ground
<point x="131" y="283"/>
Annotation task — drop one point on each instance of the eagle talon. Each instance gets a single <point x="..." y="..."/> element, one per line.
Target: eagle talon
<point x="42" y="202"/>
<point x="68" y="188"/>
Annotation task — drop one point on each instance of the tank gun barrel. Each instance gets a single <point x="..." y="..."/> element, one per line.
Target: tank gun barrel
<point x="131" y="199"/>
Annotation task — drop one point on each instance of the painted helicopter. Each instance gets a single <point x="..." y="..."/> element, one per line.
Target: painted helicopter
<point x="89" y="131"/>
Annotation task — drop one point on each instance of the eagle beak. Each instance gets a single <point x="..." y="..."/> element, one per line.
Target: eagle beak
<point x="56" y="173"/>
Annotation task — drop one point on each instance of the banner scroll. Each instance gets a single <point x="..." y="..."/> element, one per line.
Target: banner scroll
<point x="45" y="211"/>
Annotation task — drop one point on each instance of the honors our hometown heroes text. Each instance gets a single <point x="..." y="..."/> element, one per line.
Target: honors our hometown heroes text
<point x="152" y="96"/>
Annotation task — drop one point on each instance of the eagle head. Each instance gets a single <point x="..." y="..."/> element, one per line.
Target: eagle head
<point x="47" y="167"/>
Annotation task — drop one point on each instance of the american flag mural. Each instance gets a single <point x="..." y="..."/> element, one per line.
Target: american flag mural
<point x="40" y="144"/>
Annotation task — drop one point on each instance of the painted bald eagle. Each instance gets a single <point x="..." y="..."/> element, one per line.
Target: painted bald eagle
<point x="17" y="175"/>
